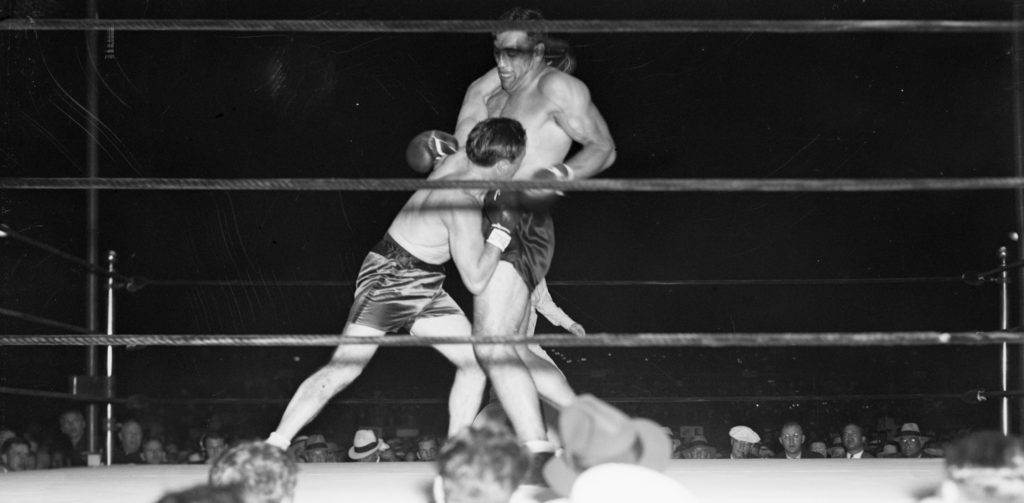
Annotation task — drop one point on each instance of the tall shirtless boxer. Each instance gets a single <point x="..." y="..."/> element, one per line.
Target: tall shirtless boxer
<point x="400" y="284"/>
<point x="556" y="110"/>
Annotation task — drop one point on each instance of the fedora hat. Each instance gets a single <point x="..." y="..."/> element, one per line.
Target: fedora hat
<point x="594" y="432"/>
<point x="364" y="444"/>
<point x="910" y="430"/>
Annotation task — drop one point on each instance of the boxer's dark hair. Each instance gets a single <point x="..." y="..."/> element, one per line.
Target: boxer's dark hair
<point x="496" y="139"/>
<point x="523" y="14"/>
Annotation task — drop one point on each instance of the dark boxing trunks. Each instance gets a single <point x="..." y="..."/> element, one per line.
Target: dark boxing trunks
<point x="394" y="289"/>
<point x="532" y="247"/>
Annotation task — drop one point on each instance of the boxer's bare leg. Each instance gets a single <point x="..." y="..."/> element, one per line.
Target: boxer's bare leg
<point x="498" y="310"/>
<point x="467" y="391"/>
<point x="346" y="364"/>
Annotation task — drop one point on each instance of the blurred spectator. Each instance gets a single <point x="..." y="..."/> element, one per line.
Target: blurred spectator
<point x="743" y="441"/>
<point x="129" y="447"/>
<point x="836" y="452"/>
<point x="792" y="440"/>
<point x="594" y="432"/>
<point x="174" y="454"/>
<point x="204" y="494"/>
<point x="316" y="450"/>
<point x="911" y="442"/>
<point x="891" y="449"/>
<point x="74" y="450"/>
<point x="480" y="465"/>
<point x="366" y="447"/>
<point x="153" y="452"/>
<point x="6" y="433"/>
<point x="853" y="442"/>
<point x="15" y="455"/>
<point x="426" y="448"/>
<point x="698" y="448"/>
<point x="211" y="445"/>
<point x="617" y="482"/>
<point x="983" y="467"/>
<point x="266" y="474"/>
<point x="297" y="449"/>
<point x="819" y="447"/>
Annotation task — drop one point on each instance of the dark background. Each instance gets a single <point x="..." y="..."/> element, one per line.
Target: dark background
<point x="255" y="105"/>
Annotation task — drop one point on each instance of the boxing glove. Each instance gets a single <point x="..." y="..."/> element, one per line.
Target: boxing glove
<point x="540" y="199"/>
<point x="500" y="208"/>
<point x="428" y="148"/>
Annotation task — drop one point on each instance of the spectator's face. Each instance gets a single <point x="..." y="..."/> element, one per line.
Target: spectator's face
<point x="214" y="448"/>
<point x="427" y="450"/>
<point x="740" y="448"/>
<point x="131" y="437"/>
<point x="819" y="447"/>
<point x="836" y="452"/>
<point x="792" y="439"/>
<point x="153" y="452"/>
<point x="72" y="424"/>
<point x="853" y="438"/>
<point x="19" y="458"/>
<point x="319" y="455"/>
<point x="911" y="446"/>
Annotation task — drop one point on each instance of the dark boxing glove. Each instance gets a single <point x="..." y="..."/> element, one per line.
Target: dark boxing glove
<point x="428" y="148"/>
<point x="540" y="199"/>
<point x="500" y="208"/>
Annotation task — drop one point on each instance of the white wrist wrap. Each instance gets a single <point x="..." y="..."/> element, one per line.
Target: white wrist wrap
<point x="279" y="440"/>
<point x="569" y="170"/>
<point x="499" y="237"/>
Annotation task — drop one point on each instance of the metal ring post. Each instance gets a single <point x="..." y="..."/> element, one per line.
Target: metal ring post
<point x="1004" y="324"/>
<point x="111" y="260"/>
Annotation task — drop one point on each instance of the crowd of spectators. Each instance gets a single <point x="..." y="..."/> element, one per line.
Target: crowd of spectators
<point x="602" y="446"/>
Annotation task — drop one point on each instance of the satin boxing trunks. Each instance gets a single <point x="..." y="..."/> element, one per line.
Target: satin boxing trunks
<point x="532" y="247"/>
<point x="395" y="288"/>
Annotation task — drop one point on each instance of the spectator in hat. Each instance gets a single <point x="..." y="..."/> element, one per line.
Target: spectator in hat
<point x="366" y="447"/>
<point x="743" y="441"/>
<point x="480" y="464"/>
<point x="983" y="467"/>
<point x="266" y="474"/>
<point x="854" y="441"/>
<point x="594" y="432"/>
<point x="698" y="448"/>
<point x="316" y="450"/>
<point x="911" y="442"/>
<point x="792" y="439"/>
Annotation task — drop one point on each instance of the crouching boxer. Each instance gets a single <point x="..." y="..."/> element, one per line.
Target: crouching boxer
<point x="400" y="284"/>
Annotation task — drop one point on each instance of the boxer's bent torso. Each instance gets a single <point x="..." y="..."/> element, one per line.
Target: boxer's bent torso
<point x="395" y="288"/>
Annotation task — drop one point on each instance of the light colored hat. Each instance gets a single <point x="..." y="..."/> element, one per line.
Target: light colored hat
<point x="617" y="482"/>
<point x="364" y="444"/>
<point x="910" y="430"/>
<point x="744" y="434"/>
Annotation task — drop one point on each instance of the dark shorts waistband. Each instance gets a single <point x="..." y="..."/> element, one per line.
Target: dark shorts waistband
<point x="390" y="248"/>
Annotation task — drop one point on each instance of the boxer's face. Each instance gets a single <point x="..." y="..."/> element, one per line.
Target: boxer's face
<point x="514" y="54"/>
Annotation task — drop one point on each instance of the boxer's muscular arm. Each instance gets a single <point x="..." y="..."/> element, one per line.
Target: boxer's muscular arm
<point x="474" y="104"/>
<point x="474" y="258"/>
<point x="577" y="115"/>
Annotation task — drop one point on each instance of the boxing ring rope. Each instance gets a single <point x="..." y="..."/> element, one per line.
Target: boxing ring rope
<point x="489" y="26"/>
<point x="591" y="185"/>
